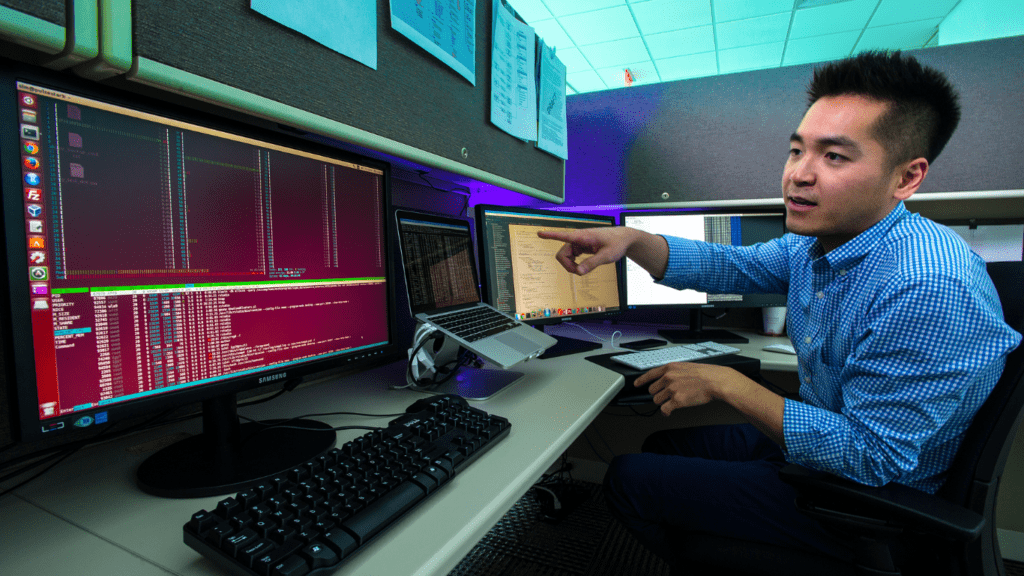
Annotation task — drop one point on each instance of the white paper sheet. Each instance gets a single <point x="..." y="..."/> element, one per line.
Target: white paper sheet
<point x="444" y="28"/>
<point x="551" y="125"/>
<point x="513" y="75"/>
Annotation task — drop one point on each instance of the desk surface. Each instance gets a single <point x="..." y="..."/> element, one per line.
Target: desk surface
<point x="86" y="516"/>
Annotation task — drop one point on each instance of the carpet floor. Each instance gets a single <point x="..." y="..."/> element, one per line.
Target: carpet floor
<point x="586" y="542"/>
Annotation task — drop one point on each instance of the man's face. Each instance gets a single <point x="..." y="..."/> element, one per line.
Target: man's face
<point x="837" y="182"/>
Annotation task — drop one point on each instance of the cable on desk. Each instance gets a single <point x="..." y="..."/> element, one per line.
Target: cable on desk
<point x="610" y="341"/>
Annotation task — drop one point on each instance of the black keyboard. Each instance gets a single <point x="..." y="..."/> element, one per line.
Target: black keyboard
<point x="319" y="514"/>
<point x="475" y="323"/>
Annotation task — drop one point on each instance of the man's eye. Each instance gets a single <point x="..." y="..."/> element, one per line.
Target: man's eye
<point x="795" y="151"/>
<point x="833" y="156"/>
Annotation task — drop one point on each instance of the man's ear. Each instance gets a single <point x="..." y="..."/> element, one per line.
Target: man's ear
<point x="911" y="176"/>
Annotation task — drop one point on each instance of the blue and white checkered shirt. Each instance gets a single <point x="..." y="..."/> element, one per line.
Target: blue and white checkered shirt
<point x="899" y="337"/>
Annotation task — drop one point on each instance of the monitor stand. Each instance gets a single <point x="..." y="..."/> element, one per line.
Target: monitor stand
<point x="230" y="456"/>
<point x="696" y="333"/>
<point x="471" y="383"/>
<point x="566" y="346"/>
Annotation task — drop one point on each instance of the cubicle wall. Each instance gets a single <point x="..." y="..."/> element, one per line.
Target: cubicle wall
<point x="52" y="33"/>
<point x="412" y="106"/>
<point x="726" y="137"/>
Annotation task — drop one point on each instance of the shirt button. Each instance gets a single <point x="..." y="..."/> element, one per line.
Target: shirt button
<point x="807" y="339"/>
<point x="842" y="272"/>
<point x="807" y="379"/>
<point x="820" y="295"/>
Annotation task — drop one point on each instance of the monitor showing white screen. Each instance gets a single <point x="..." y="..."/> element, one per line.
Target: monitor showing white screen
<point x="736" y="227"/>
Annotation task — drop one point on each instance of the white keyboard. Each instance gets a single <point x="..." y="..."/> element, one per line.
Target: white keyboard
<point x="648" y="359"/>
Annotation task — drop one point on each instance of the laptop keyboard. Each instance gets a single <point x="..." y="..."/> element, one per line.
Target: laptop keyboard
<point x="474" y="323"/>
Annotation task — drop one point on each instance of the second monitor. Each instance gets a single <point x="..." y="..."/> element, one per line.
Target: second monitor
<point x="732" y="226"/>
<point x="521" y="276"/>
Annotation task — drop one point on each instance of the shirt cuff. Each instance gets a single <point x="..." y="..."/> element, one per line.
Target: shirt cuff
<point x="812" y="439"/>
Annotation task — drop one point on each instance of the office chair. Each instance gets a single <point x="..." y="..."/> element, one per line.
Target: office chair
<point x="896" y="529"/>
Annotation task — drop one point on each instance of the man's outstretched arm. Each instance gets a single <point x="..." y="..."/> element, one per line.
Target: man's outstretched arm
<point x="607" y="245"/>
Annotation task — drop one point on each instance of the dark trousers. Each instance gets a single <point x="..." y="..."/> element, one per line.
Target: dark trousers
<point x="718" y="480"/>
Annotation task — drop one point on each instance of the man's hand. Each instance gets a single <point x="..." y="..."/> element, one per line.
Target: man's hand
<point x="607" y="245"/>
<point x="683" y="385"/>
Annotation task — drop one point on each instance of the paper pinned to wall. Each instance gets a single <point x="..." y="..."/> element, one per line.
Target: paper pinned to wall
<point x="513" y="74"/>
<point x="345" y="26"/>
<point x="446" y="29"/>
<point x="552" y="134"/>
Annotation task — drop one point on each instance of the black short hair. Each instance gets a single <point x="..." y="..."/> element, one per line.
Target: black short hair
<point x="924" y="108"/>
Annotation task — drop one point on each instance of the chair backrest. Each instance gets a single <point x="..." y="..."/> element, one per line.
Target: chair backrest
<point x="986" y="445"/>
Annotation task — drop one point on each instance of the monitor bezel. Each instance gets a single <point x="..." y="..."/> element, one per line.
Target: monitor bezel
<point x="18" y="352"/>
<point x="480" y="213"/>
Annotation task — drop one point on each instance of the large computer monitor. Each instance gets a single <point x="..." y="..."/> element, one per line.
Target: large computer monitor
<point x="522" y="277"/>
<point x="158" y="256"/>
<point x="733" y="226"/>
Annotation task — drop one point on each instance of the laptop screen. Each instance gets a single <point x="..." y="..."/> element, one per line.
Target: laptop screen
<point x="437" y="256"/>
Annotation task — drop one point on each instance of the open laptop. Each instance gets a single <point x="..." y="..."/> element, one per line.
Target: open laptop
<point x="441" y="278"/>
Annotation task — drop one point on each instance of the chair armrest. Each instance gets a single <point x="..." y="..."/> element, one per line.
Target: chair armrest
<point x="892" y="504"/>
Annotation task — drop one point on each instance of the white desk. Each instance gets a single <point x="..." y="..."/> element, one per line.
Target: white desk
<point x="772" y="361"/>
<point x="86" y="517"/>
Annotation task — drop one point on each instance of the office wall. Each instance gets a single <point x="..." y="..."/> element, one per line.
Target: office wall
<point x="411" y="99"/>
<point x="726" y="137"/>
<point x="49" y="10"/>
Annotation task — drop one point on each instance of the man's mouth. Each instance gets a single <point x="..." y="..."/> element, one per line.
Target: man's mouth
<point x="801" y="202"/>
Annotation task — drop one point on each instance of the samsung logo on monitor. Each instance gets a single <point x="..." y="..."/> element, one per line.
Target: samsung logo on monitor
<point x="273" y="377"/>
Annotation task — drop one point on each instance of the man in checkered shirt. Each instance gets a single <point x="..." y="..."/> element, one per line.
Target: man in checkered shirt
<point x="898" y="330"/>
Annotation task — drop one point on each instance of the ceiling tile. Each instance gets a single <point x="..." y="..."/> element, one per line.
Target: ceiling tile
<point x="756" y="57"/>
<point x="665" y="15"/>
<point x="899" y="36"/>
<point x="616" y="52"/>
<point x="681" y="42"/>
<point x="573" y="60"/>
<point x="565" y="7"/>
<point x="586" y="81"/>
<point x="531" y="10"/>
<point x="760" y="30"/>
<point x="600" y="26"/>
<point x="728" y="10"/>
<point x="643" y="73"/>
<point x="552" y="33"/>
<point x="897" y="11"/>
<point x="820" y="48"/>
<point x="832" y="19"/>
<point x="691" y="66"/>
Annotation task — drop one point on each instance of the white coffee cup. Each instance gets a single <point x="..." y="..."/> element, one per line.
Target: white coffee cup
<point x="774" y="320"/>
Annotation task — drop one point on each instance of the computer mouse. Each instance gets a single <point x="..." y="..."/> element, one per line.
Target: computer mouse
<point x="780" y="348"/>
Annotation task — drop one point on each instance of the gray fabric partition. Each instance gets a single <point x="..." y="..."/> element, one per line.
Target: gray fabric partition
<point x="50" y="10"/>
<point x="726" y="137"/>
<point x="411" y="98"/>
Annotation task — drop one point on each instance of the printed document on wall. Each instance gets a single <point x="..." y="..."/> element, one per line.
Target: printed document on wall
<point x="345" y="26"/>
<point x="444" y="28"/>
<point x="513" y="75"/>
<point x="551" y="124"/>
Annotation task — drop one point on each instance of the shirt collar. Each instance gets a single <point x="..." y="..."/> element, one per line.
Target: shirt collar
<point x="847" y="255"/>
